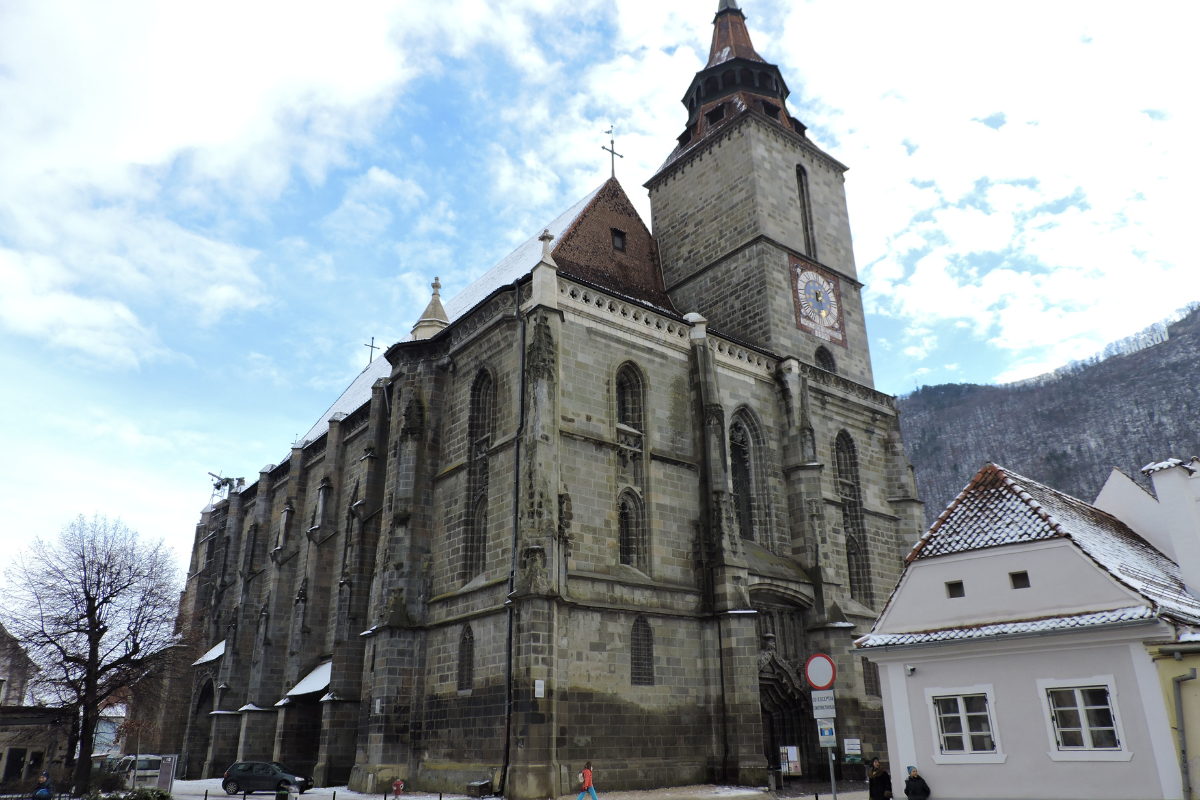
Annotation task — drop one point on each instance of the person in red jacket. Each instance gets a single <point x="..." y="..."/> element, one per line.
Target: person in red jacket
<point x="588" y="788"/>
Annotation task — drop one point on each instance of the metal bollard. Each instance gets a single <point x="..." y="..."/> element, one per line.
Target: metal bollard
<point x="206" y="794"/>
<point x="335" y="794"/>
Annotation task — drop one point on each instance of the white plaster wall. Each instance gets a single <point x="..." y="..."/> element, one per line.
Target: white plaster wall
<point x="1062" y="581"/>
<point x="1020" y="722"/>
<point x="1131" y="504"/>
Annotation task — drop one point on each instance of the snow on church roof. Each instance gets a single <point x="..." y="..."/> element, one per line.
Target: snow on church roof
<point x="514" y="266"/>
<point x="355" y="396"/>
<point x="518" y="263"/>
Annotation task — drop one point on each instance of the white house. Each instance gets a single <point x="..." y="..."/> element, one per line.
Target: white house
<point x="1030" y="646"/>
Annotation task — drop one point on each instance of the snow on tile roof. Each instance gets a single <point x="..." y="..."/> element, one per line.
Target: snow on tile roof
<point x="355" y="396"/>
<point x="315" y="681"/>
<point x="518" y="263"/>
<point x="1154" y="467"/>
<point x="211" y="655"/>
<point x="1000" y="507"/>
<point x="515" y="265"/>
<point x="1074" y="621"/>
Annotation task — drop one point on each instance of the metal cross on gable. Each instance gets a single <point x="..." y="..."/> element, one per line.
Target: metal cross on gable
<point x="612" y="149"/>
<point x="373" y="348"/>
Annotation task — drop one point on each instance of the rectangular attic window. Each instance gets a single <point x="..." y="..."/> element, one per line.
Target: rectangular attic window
<point x="1020" y="580"/>
<point x="618" y="237"/>
<point x="955" y="589"/>
<point x="771" y="110"/>
<point x="716" y="115"/>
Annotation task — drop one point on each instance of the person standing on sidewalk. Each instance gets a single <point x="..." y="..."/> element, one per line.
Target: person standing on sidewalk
<point x="915" y="787"/>
<point x="588" y="788"/>
<point x="879" y="782"/>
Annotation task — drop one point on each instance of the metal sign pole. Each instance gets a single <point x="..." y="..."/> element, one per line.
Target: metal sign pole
<point x="832" y="777"/>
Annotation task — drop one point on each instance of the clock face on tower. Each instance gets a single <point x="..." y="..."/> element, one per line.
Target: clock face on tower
<point x="818" y="299"/>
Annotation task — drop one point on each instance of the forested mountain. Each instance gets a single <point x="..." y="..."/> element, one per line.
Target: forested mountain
<point x="1068" y="433"/>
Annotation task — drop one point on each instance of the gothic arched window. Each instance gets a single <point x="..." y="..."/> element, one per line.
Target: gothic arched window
<point x="466" y="660"/>
<point x="825" y="359"/>
<point x="806" y="223"/>
<point x="641" y="653"/>
<point x="631" y="529"/>
<point x="742" y="473"/>
<point x="629" y="398"/>
<point x="850" y="493"/>
<point x="479" y="441"/>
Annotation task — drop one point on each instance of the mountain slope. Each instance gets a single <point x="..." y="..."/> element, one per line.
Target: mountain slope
<point x="1122" y="412"/>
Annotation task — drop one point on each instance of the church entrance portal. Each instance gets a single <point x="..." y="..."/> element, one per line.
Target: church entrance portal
<point x="199" y="734"/>
<point x="787" y="719"/>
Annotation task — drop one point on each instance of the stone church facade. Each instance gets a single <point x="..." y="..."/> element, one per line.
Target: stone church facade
<point x="601" y="505"/>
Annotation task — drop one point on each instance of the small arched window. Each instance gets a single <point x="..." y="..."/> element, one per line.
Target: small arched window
<point x="466" y="660"/>
<point x="742" y="474"/>
<point x="631" y="529"/>
<point x="806" y="215"/>
<point x="629" y="398"/>
<point x="850" y="493"/>
<point x="825" y="359"/>
<point x="479" y="441"/>
<point x="641" y="653"/>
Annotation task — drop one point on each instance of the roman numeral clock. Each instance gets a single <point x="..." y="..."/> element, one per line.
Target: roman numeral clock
<point x="818" y="297"/>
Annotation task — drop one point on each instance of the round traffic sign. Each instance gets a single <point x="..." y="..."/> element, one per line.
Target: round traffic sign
<point x="820" y="671"/>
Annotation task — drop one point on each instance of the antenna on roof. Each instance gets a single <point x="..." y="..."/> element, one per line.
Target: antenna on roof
<point x="612" y="149"/>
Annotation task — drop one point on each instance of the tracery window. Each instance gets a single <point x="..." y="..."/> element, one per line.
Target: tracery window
<point x="825" y="359"/>
<point x="641" y="653"/>
<point x="631" y="528"/>
<point x="479" y="440"/>
<point x="466" y="659"/>
<point x="742" y="473"/>
<point x="629" y="398"/>
<point x="806" y="224"/>
<point x="850" y="492"/>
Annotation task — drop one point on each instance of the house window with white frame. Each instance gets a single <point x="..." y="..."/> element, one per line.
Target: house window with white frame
<point x="964" y="724"/>
<point x="1083" y="722"/>
<point x="1083" y="718"/>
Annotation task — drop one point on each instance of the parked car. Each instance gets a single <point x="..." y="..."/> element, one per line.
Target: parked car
<point x="146" y="774"/>
<point x="262" y="776"/>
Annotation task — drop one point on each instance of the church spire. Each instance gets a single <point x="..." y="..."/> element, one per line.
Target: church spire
<point x="730" y="37"/>
<point x="736" y="81"/>
<point x="434" y="318"/>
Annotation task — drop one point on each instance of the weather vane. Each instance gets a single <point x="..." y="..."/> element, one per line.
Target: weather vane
<point x="612" y="149"/>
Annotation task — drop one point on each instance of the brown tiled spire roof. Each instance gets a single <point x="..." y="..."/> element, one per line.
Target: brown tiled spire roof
<point x="736" y="81"/>
<point x="730" y="37"/>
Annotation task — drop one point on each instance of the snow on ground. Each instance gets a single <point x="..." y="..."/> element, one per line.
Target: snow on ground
<point x="196" y="789"/>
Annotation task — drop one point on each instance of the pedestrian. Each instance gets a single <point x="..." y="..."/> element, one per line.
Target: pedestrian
<point x="879" y="782"/>
<point x="44" y="789"/>
<point x="915" y="786"/>
<point x="586" y="777"/>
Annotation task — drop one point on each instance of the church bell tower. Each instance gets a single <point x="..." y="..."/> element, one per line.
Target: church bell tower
<point x="750" y="216"/>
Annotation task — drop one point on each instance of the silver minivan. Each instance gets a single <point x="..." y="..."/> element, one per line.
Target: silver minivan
<point x="146" y="774"/>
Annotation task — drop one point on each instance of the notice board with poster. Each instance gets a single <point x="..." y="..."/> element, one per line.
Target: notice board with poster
<point x="789" y="760"/>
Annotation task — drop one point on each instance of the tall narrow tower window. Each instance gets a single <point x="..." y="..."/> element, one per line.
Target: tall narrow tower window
<point x="742" y="473"/>
<point x="806" y="224"/>
<point x="479" y="440"/>
<point x="850" y="492"/>
<point x="466" y="660"/>
<point x="631" y="530"/>
<point x="641" y="653"/>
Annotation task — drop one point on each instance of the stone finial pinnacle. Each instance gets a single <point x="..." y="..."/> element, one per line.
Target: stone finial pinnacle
<point x="437" y="287"/>
<point x="546" y="238"/>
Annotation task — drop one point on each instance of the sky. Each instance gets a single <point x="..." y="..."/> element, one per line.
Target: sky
<point x="208" y="209"/>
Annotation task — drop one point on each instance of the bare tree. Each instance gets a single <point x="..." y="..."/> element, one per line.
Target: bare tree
<point x="95" y="609"/>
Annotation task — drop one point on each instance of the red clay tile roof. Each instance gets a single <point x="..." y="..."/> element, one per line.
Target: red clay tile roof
<point x="730" y="37"/>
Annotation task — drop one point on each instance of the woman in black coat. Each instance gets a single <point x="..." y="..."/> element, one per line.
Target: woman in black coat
<point x="915" y="786"/>
<point x="879" y="782"/>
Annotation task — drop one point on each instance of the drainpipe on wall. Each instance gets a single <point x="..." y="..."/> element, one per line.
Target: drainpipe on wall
<point x="1179" y="730"/>
<point x="512" y="570"/>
